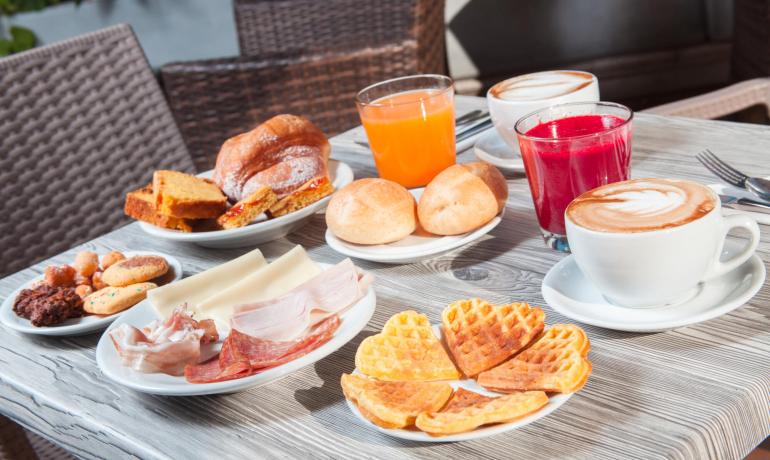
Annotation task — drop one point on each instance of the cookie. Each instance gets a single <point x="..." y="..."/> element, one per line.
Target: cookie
<point x="112" y="258"/>
<point x="134" y="270"/>
<point x="112" y="300"/>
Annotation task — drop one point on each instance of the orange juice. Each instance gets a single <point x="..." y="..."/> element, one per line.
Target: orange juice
<point x="411" y="134"/>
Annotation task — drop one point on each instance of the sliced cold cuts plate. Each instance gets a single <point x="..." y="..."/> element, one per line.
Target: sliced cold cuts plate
<point x="261" y="230"/>
<point x="352" y="322"/>
<point x="74" y="326"/>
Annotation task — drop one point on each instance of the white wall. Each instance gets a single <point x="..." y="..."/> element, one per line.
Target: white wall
<point x="169" y="30"/>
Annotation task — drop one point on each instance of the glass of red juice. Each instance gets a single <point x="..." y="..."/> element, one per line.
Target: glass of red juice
<point x="568" y="149"/>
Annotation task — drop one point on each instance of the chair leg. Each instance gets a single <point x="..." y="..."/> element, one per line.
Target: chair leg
<point x="14" y="444"/>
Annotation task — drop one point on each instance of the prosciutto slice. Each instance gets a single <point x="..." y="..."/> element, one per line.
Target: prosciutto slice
<point x="166" y="346"/>
<point x="288" y="317"/>
<point x="243" y="355"/>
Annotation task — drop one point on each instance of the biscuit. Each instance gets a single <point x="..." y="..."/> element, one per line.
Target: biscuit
<point x="134" y="270"/>
<point x="111" y="300"/>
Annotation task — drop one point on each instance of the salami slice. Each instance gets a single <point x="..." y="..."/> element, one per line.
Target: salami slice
<point x="243" y="355"/>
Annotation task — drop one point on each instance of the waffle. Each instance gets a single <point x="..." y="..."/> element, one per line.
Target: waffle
<point x="468" y="410"/>
<point x="555" y="363"/>
<point x="481" y="335"/>
<point x="394" y="404"/>
<point x="406" y="349"/>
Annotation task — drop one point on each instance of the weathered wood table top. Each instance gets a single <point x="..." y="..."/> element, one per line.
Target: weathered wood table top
<point x="696" y="392"/>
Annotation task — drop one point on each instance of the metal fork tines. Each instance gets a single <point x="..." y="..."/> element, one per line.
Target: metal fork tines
<point x="721" y="169"/>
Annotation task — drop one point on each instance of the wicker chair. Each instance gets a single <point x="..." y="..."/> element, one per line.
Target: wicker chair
<point x="305" y="57"/>
<point x="14" y="444"/>
<point x="720" y="103"/>
<point x="81" y="122"/>
<point x="310" y="27"/>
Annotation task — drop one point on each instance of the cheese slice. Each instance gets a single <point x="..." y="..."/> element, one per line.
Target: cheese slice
<point x="196" y="288"/>
<point x="279" y="277"/>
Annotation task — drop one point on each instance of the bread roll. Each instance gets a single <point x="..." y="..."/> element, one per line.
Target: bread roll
<point x="283" y="153"/>
<point x="462" y="198"/>
<point x="371" y="211"/>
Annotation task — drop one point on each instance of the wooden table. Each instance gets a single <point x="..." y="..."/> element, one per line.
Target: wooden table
<point x="697" y="392"/>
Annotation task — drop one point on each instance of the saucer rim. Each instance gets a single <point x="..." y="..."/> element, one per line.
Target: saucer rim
<point x="715" y="311"/>
<point x="483" y="155"/>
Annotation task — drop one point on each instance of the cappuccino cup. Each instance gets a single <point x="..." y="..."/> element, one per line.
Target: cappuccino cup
<point x="511" y="99"/>
<point x="651" y="242"/>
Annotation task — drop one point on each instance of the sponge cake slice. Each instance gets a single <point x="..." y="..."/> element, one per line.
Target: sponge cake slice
<point x="187" y="197"/>
<point x="140" y="205"/>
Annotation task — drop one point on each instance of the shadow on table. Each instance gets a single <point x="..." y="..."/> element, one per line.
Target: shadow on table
<point x="330" y="392"/>
<point x="518" y="225"/>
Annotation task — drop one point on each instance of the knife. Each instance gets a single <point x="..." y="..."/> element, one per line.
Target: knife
<point x="744" y="204"/>
<point x="473" y="130"/>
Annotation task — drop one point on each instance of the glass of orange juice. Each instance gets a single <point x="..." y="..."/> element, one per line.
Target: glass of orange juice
<point x="411" y="127"/>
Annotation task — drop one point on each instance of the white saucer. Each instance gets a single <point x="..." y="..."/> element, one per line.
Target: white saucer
<point x="262" y="230"/>
<point x="73" y="326"/>
<point x="352" y="322"/>
<point x="554" y="402"/>
<point x="490" y="147"/>
<point x="567" y="291"/>
<point x="413" y="248"/>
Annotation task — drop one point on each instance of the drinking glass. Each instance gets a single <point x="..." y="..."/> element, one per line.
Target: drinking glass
<point x="410" y="125"/>
<point x="568" y="149"/>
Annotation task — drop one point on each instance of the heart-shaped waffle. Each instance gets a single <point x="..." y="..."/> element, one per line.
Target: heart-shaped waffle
<point x="481" y="335"/>
<point x="556" y="362"/>
<point x="406" y="349"/>
<point x="468" y="410"/>
<point x="394" y="404"/>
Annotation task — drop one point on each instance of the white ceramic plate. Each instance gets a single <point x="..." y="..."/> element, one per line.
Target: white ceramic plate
<point x="262" y="230"/>
<point x="490" y="147"/>
<point x="73" y="326"/>
<point x="353" y="321"/>
<point x="567" y="291"/>
<point x="554" y="402"/>
<point x="413" y="248"/>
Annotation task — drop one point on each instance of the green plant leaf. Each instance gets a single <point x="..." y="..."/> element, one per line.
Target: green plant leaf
<point x="22" y="38"/>
<point x="6" y="47"/>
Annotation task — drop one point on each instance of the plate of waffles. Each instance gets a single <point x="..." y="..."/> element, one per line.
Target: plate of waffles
<point x="487" y="369"/>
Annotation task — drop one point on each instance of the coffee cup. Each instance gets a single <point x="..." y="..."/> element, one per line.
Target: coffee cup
<point x="652" y="242"/>
<point x="515" y="97"/>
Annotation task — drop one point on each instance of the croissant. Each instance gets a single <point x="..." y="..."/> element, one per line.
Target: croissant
<point x="283" y="153"/>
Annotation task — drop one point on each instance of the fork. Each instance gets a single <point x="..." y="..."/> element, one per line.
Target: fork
<point x="756" y="185"/>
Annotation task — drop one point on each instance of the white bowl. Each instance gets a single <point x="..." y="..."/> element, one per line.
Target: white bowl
<point x="74" y="326"/>
<point x="263" y="229"/>
<point x="413" y="248"/>
<point x="352" y="322"/>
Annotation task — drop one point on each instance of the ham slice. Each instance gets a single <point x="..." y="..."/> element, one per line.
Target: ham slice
<point x="165" y="347"/>
<point x="243" y="355"/>
<point x="288" y="317"/>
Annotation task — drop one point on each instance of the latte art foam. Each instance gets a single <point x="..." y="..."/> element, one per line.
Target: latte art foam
<point x="641" y="205"/>
<point x="542" y="85"/>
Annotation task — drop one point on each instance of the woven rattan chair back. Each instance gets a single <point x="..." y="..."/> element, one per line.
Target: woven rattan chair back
<point x="81" y="122"/>
<point x="313" y="26"/>
<point x="217" y="99"/>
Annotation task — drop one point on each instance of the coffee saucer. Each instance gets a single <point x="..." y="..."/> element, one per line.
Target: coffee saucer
<point x="490" y="147"/>
<point x="567" y="291"/>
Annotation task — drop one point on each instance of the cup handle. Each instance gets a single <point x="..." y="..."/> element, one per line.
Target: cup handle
<point x="730" y="222"/>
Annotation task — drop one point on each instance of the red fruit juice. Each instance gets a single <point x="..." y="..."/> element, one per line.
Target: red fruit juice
<point x="568" y="156"/>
